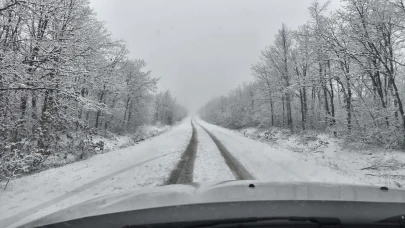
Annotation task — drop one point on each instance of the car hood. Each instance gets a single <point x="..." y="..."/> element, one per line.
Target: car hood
<point x="218" y="192"/>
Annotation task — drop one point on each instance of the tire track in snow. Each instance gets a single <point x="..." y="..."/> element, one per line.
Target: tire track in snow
<point x="209" y="164"/>
<point x="183" y="172"/>
<point x="238" y="170"/>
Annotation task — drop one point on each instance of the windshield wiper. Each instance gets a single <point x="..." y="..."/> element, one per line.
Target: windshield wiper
<point x="317" y="220"/>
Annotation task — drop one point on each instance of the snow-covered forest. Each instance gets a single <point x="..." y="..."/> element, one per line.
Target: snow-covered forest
<point x="63" y="80"/>
<point x="341" y="72"/>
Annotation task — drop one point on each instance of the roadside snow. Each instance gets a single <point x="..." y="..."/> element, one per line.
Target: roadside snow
<point x="119" y="141"/>
<point x="114" y="142"/>
<point x="108" y="143"/>
<point x="375" y="166"/>
<point x="209" y="164"/>
<point x="145" y="164"/>
<point x="271" y="163"/>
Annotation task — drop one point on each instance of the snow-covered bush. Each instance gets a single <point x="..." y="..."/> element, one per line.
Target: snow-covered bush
<point x="18" y="158"/>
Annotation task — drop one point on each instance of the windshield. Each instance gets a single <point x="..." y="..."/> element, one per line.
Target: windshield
<point x="103" y="97"/>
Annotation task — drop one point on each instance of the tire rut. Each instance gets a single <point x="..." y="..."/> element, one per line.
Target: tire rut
<point x="238" y="170"/>
<point x="183" y="173"/>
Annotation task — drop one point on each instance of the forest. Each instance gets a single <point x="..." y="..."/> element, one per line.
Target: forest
<point x="63" y="80"/>
<point x="341" y="72"/>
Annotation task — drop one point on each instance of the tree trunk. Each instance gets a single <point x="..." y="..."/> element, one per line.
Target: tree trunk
<point x="332" y="103"/>
<point x="98" y="114"/>
<point x="126" y="109"/>
<point x="289" y="113"/>
<point x="305" y="103"/>
<point x="322" y="77"/>
<point x="282" y="99"/>
<point x="332" y="97"/>
<point x="272" y="110"/>
<point x="129" y="115"/>
<point x="23" y="105"/>
<point x="348" y="95"/>
<point x="349" y="106"/>
<point x="45" y="122"/>
<point x="34" y="111"/>
<point x="399" y="102"/>
<point x="302" y="110"/>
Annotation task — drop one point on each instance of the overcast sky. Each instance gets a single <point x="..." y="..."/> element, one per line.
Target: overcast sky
<point x="200" y="48"/>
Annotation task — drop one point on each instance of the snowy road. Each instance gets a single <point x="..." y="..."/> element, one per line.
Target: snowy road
<point x="183" y="172"/>
<point x="238" y="170"/>
<point x="193" y="151"/>
<point x="210" y="164"/>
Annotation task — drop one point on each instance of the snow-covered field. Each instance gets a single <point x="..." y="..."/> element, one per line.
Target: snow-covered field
<point x="149" y="163"/>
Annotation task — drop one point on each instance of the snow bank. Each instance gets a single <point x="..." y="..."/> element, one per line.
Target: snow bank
<point x="108" y="143"/>
<point x="360" y="162"/>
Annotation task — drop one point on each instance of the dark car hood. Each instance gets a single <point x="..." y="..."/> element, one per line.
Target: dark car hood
<point x="229" y="191"/>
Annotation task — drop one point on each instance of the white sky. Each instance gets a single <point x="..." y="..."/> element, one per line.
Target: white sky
<point x="200" y="48"/>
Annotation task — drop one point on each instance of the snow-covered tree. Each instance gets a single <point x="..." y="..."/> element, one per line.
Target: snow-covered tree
<point x="63" y="78"/>
<point x="346" y="70"/>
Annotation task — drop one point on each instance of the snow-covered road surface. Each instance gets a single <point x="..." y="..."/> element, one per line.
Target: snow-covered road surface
<point x="152" y="163"/>
<point x="183" y="172"/>
<point x="209" y="165"/>
<point x="237" y="168"/>
<point x="146" y="164"/>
